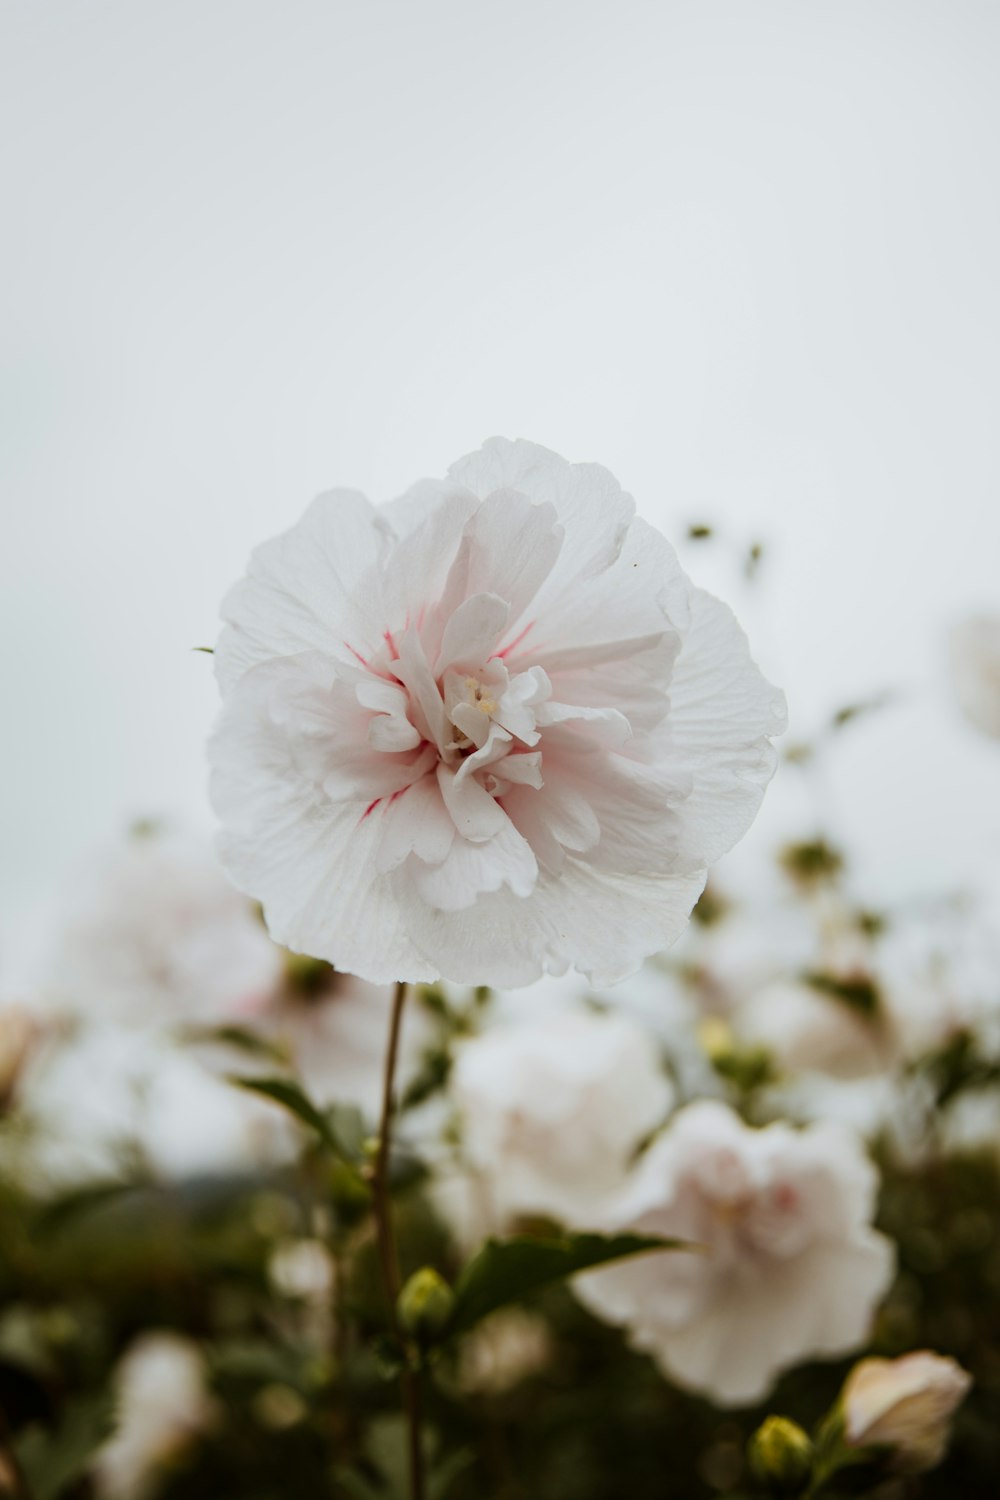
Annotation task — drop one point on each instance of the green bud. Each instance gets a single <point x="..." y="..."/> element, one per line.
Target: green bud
<point x="781" y="1456"/>
<point x="425" y="1305"/>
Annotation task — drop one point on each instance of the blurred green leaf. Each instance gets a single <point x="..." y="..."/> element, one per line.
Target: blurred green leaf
<point x="53" y="1460"/>
<point x="293" y="1098"/>
<point x="242" y="1038"/>
<point x="63" y="1212"/>
<point x="506" y="1270"/>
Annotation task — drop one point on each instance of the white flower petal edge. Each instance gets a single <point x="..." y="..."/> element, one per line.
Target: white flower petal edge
<point x="487" y="732"/>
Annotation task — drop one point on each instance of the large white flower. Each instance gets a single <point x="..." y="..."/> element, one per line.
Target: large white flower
<point x="553" y="1112"/>
<point x="485" y="732"/>
<point x="793" y="1269"/>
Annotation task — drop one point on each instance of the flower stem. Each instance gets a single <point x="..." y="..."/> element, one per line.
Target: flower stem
<point x="388" y="1257"/>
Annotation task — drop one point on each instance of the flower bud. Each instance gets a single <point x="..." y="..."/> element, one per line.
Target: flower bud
<point x="781" y="1456"/>
<point x="904" y="1404"/>
<point x="425" y="1305"/>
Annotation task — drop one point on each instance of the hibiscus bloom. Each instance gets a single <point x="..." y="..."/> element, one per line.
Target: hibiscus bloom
<point x="793" y="1268"/>
<point x="485" y="732"/>
<point x="553" y="1112"/>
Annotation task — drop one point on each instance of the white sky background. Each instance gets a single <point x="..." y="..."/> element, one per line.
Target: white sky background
<point x="745" y="254"/>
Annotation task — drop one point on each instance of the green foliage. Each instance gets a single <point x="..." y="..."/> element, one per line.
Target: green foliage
<point x="52" y="1461"/>
<point x="507" y="1270"/>
<point x="292" y="1097"/>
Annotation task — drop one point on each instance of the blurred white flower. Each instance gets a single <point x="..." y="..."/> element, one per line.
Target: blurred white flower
<point x="905" y="1404"/>
<point x="157" y="935"/>
<point x="504" y="1349"/>
<point x="302" y="1269"/>
<point x="485" y="732"/>
<point x="162" y="1407"/>
<point x="553" y="1111"/>
<point x="975" y="659"/>
<point x="336" y="1039"/>
<point x="95" y="1099"/>
<point x="793" y="1269"/>
<point x="937" y="970"/>
<point x="806" y="1030"/>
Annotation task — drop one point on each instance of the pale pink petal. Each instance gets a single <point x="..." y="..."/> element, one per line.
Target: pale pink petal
<point x="304" y="589"/>
<point x="476" y="814"/>
<point x="416" y="822"/>
<point x="472" y="632"/>
<point x="310" y="860"/>
<point x="509" y="547"/>
<point x="472" y="871"/>
<point x="603" y="924"/>
<point x="721" y="711"/>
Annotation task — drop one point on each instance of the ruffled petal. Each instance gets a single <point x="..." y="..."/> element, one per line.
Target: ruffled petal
<point x="473" y="870"/>
<point x="309" y="859"/>
<point x="304" y="589"/>
<point x="598" y="922"/>
<point x="722" y="710"/>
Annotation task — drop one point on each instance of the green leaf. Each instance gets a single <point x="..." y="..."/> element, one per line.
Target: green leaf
<point x="291" y="1096"/>
<point x="63" y="1212"/>
<point x="240" y="1038"/>
<point x="52" y="1461"/>
<point x="506" y="1270"/>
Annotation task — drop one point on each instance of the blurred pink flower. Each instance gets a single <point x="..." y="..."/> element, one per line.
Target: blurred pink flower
<point x="485" y="732"/>
<point x="793" y="1268"/>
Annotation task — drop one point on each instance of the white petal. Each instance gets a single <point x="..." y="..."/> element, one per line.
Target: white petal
<point x="416" y="822"/>
<point x="304" y="589"/>
<point x="417" y="567"/>
<point x="606" y="725"/>
<point x="425" y="699"/>
<point x="471" y="870"/>
<point x="471" y="634"/>
<point x="722" y="711"/>
<point x="389" y="729"/>
<point x="602" y="924"/>
<point x="509" y="547"/>
<point x="476" y="814"/>
<point x="616" y="583"/>
<point x="309" y="860"/>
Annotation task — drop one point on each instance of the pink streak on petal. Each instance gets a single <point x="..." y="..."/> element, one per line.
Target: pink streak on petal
<point x="500" y="655"/>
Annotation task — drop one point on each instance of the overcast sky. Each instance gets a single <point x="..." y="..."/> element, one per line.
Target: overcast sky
<point x="745" y="255"/>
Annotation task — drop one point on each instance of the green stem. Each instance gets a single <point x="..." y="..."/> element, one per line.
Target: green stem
<point x="388" y="1256"/>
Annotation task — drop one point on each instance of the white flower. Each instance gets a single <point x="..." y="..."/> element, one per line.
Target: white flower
<point x="793" y="1269"/>
<point x="975" y="658"/>
<point x="485" y="732"/>
<point x="91" y="1099"/>
<point x="158" y="935"/>
<point x="552" y="1112"/>
<point x="163" y="1405"/>
<point x="808" y="1031"/>
<point x="905" y="1404"/>
<point x="938" y="977"/>
<point x="503" y="1350"/>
